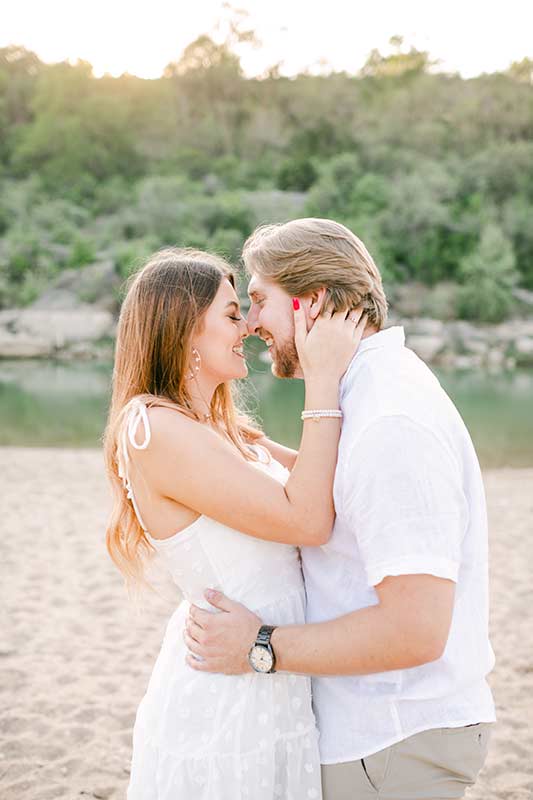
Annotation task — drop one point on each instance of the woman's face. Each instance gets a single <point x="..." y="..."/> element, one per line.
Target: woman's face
<point x="220" y="342"/>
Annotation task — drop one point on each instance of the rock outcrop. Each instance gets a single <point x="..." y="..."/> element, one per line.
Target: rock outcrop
<point x="38" y="333"/>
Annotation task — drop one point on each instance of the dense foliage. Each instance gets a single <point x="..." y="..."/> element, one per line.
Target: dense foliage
<point x="433" y="172"/>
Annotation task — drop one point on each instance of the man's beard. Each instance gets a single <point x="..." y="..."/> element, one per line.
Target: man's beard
<point x="285" y="360"/>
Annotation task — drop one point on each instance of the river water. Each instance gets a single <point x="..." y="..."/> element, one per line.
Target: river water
<point x="58" y="404"/>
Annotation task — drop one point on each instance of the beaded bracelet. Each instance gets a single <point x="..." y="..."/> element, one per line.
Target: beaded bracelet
<point x="322" y="413"/>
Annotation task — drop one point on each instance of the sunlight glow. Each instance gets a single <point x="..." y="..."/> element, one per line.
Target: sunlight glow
<point x="118" y="36"/>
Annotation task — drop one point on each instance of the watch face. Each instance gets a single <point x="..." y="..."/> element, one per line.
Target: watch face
<point x="261" y="659"/>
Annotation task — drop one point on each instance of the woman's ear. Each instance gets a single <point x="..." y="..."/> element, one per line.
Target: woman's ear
<point x="318" y="298"/>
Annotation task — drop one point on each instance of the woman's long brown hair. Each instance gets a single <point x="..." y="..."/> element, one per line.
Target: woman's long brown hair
<point x="164" y="305"/>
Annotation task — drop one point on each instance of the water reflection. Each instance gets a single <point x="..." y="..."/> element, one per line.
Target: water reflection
<point x="61" y="404"/>
<point x="47" y="403"/>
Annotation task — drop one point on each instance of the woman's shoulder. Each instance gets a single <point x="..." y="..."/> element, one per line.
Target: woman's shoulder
<point x="168" y="420"/>
<point x="154" y="424"/>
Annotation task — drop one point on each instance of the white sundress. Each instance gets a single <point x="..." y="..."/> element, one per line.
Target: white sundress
<point x="201" y="736"/>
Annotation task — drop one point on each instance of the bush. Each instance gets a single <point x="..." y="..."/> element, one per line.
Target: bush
<point x="517" y="224"/>
<point x="441" y="301"/>
<point x="129" y="256"/>
<point x="54" y="222"/>
<point x="418" y="223"/>
<point x="24" y="269"/>
<point x="190" y="237"/>
<point x="297" y="174"/>
<point x="227" y="211"/>
<point x="82" y="252"/>
<point x="260" y="173"/>
<point x="272" y="205"/>
<point x="20" y="254"/>
<point x="228" y="171"/>
<point x="190" y="162"/>
<point x="489" y="277"/>
<point x="227" y="243"/>
<point x="367" y="229"/>
<point x="331" y="194"/>
<point x="112" y="195"/>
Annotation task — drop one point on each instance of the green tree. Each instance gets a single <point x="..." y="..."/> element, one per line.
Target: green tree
<point x="522" y="71"/>
<point x="398" y="63"/>
<point x="19" y="70"/>
<point x="489" y="277"/>
<point x="500" y="171"/>
<point x="296" y="174"/>
<point x="332" y="193"/>
<point x="77" y="132"/>
<point x="418" y="224"/>
<point x="418" y="164"/>
<point x="210" y="92"/>
<point x="517" y="217"/>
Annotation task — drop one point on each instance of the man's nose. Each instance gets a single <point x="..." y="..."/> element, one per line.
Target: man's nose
<point x="252" y="323"/>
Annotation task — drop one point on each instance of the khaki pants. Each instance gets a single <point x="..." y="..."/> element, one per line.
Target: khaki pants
<point x="431" y="765"/>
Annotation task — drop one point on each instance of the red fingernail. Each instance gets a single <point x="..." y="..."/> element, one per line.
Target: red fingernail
<point x="295" y="303"/>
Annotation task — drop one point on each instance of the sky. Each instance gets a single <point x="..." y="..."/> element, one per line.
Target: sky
<point x="466" y="36"/>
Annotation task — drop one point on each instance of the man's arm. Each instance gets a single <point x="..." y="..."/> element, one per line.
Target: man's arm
<point x="408" y="627"/>
<point x="406" y="502"/>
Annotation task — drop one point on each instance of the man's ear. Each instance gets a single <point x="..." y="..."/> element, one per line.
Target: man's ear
<point x="318" y="298"/>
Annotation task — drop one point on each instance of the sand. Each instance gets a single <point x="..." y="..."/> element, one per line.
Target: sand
<point x="75" y="656"/>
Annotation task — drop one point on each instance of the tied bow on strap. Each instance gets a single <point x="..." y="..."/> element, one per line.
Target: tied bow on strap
<point x="137" y="415"/>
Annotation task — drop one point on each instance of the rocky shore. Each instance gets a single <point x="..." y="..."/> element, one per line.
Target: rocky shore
<point x="462" y="345"/>
<point x="88" y="333"/>
<point x="76" y="319"/>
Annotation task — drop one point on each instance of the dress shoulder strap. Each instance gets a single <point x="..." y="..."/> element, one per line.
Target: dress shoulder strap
<point x="130" y="426"/>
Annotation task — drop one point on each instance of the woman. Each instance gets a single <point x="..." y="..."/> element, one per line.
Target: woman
<point x="195" y="484"/>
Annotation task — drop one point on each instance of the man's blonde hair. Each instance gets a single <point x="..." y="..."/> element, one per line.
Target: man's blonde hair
<point x="306" y="254"/>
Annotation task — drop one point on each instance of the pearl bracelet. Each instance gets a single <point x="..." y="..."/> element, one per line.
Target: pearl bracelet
<point x="322" y="413"/>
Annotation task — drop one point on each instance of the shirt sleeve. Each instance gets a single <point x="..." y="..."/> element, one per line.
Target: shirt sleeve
<point x="404" y="501"/>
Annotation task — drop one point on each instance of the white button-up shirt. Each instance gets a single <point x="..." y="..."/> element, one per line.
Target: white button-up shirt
<point x="409" y="499"/>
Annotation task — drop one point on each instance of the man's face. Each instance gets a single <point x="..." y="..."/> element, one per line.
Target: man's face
<point x="271" y="318"/>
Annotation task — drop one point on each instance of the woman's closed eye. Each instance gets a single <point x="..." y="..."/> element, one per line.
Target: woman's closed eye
<point x="237" y="319"/>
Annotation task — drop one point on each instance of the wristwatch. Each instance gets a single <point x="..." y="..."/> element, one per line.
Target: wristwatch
<point x="261" y="655"/>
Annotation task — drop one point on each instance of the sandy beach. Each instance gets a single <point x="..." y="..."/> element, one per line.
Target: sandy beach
<point x="75" y="654"/>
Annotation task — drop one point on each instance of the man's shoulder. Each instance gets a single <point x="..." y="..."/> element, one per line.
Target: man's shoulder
<point x="398" y="404"/>
<point x="385" y="385"/>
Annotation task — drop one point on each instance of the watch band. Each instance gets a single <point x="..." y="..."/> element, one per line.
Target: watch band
<point x="264" y="634"/>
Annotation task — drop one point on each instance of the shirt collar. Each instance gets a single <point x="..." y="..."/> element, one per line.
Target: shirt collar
<point x="389" y="338"/>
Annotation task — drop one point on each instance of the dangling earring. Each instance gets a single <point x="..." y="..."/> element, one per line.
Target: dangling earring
<point x="195" y="369"/>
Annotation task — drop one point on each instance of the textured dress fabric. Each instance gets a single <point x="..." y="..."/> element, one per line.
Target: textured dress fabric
<point x="201" y="736"/>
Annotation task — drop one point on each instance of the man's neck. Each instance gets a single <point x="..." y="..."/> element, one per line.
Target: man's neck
<point x="370" y="330"/>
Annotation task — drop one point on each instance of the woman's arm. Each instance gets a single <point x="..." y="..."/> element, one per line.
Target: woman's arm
<point x="192" y="464"/>
<point x="279" y="452"/>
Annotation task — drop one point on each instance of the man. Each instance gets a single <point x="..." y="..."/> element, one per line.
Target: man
<point x="397" y="633"/>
